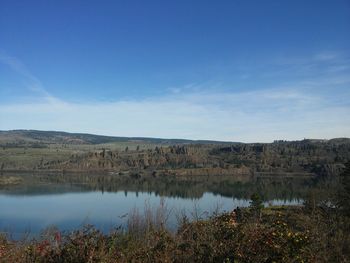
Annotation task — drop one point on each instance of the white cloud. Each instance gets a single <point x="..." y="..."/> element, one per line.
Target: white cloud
<point x="246" y="116"/>
<point x="302" y="109"/>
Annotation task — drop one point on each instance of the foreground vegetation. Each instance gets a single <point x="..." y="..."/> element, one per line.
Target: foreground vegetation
<point x="279" y="235"/>
<point x="316" y="232"/>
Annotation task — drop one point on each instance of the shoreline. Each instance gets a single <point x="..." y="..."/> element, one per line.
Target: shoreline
<point x="162" y="173"/>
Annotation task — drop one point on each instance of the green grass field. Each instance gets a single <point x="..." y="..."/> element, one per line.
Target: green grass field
<point x="29" y="157"/>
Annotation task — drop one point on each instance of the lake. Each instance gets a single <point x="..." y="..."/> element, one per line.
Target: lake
<point x="69" y="202"/>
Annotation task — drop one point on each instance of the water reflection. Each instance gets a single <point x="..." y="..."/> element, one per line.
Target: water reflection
<point x="184" y="187"/>
<point x="70" y="201"/>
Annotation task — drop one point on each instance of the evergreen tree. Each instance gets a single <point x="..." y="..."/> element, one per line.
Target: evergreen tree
<point x="256" y="205"/>
<point x="343" y="196"/>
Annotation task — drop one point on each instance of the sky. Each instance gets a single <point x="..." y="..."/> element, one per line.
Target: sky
<point x="249" y="71"/>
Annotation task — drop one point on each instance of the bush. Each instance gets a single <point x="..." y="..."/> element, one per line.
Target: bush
<point x="282" y="235"/>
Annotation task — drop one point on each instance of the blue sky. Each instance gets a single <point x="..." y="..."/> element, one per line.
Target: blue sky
<point x="226" y="70"/>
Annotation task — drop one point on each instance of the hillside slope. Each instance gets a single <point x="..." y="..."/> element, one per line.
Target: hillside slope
<point x="32" y="137"/>
<point x="302" y="157"/>
<point x="60" y="151"/>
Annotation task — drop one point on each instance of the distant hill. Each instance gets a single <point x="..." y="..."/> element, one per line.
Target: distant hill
<point x="58" y="151"/>
<point x="50" y="137"/>
<point x="37" y="137"/>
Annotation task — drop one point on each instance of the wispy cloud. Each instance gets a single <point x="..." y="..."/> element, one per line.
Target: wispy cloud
<point x="326" y="56"/>
<point x="315" y="63"/>
<point x="304" y="108"/>
<point x="32" y="83"/>
<point x="251" y="116"/>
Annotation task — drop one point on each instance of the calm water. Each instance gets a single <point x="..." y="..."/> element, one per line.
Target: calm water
<point x="70" y="201"/>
